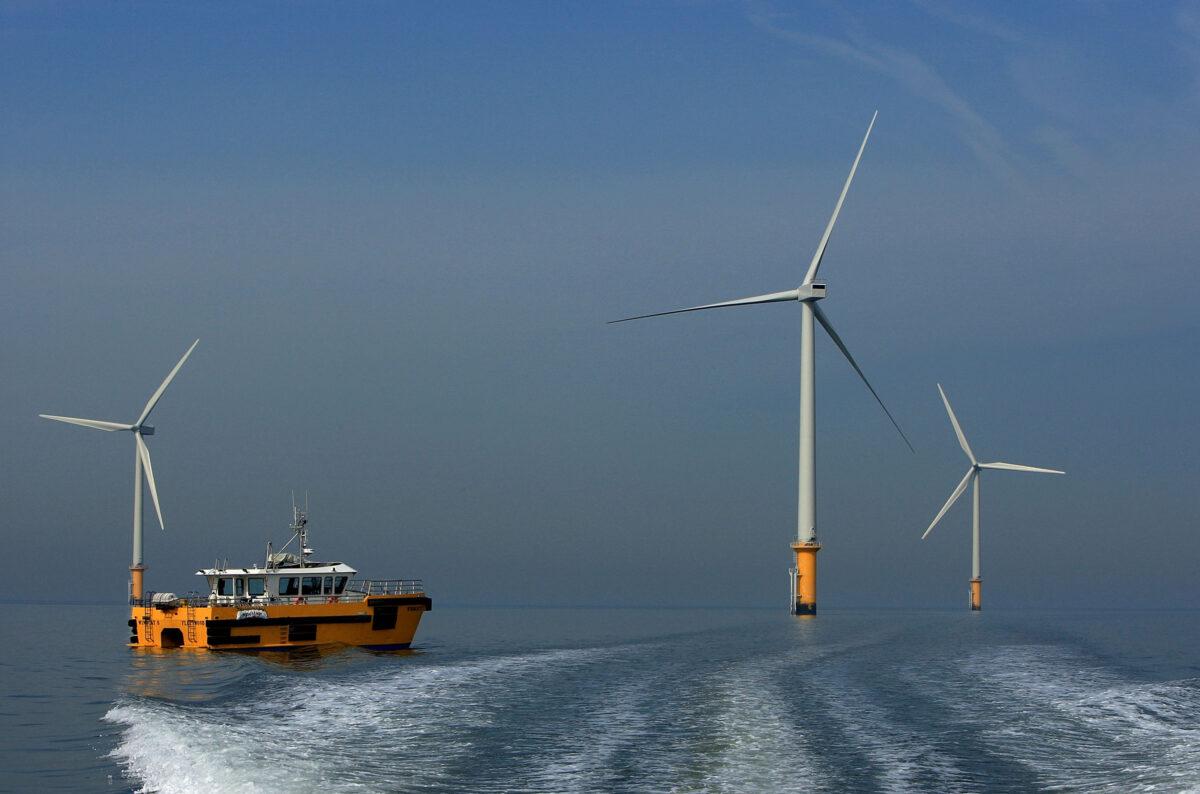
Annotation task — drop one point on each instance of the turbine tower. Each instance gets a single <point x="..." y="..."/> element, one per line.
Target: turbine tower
<point x="804" y="577"/>
<point x="141" y="464"/>
<point x="972" y="478"/>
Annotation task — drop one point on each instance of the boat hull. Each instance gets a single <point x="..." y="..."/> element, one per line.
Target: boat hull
<point x="377" y="622"/>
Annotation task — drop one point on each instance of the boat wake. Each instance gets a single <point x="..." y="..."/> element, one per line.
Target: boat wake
<point x="408" y="727"/>
<point x="677" y="715"/>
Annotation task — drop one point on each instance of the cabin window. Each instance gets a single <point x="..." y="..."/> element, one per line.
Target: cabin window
<point x="311" y="586"/>
<point x="328" y="585"/>
<point x="225" y="587"/>
<point x="256" y="585"/>
<point x="289" y="585"/>
<point x="241" y="587"/>
<point x="340" y="585"/>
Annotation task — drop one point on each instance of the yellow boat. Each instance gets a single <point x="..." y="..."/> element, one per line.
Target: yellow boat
<point x="287" y="602"/>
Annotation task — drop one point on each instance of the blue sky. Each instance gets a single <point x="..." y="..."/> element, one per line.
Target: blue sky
<point x="398" y="231"/>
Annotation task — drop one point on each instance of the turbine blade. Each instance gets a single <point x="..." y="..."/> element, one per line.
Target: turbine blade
<point x="820" y="253"/>
<point x="95" y="424"/>
<point x="962" y="440"/>
<point x="144" y="454"/>
<point x="154" y="398"/>
<point x="962" y="486"/>
<point x="1018" y="467"/>
<point x="837" y="340"/>
<point x="774" y="297"/>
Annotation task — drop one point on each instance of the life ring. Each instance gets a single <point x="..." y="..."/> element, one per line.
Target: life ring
<point x="331" y="600"/>
<point x="298" y="600"/>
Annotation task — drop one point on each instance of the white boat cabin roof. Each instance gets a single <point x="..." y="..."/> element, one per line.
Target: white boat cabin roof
<point x="313" y="569"/>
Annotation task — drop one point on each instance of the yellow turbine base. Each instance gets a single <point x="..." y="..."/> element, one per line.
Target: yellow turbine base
<point x="976" y="594"/>
<point x="136" y="573"/>
<point x="806" y="578"/>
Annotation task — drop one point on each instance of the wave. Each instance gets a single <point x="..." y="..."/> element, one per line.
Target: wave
<point x="669" y="724"/>
<point x="902" y="755"/>
<point x="758" y="742"/>
<point x="393" y="728"/>
<point x="1081" y="727"/>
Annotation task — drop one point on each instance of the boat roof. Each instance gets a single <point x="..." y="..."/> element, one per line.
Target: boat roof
<point x="313" y="569"/>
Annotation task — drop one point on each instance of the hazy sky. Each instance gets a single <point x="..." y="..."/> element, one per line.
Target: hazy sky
<point x="398" y="231"/>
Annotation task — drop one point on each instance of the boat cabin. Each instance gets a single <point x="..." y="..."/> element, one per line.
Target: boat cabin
<point x="311" y="583"/>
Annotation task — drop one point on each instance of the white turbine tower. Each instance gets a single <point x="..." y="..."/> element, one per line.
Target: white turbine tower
<point x="810" y="291"/>
<point x="972" y="478"/>
<point x="141" y="463"/>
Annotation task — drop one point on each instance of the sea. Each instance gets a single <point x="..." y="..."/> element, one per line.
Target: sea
<point x="616" y="700"/>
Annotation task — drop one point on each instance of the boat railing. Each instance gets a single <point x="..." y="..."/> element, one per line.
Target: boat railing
<point x="376" y="587"/>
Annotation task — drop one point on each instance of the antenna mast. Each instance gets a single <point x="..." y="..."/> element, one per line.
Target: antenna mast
<point x="300" y="527"/>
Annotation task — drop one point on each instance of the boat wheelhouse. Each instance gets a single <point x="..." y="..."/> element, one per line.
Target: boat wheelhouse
<point x="320" y="583"/>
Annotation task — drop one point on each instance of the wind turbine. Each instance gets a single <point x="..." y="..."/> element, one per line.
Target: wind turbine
<point x="804" y="576"/>
<point x="972" y="478"/>
<point x="141" y="463"/>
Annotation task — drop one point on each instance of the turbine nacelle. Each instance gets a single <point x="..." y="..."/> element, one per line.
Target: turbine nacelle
<point x="812" y="291"/>
<point x="145" y="430"/>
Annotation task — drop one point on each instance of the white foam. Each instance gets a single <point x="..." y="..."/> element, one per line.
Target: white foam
<point x="631" y="717"/>
<point x="663" y="727"/>
<point x="166" y="751"/>
<point x="1083" y="728"/>
<point x="758" y="748"/>
<point x="303" y="734"/>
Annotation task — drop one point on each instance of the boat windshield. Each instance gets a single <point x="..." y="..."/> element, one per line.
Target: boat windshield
<point x="227" y="586"/>
<point x="283" y="587"/>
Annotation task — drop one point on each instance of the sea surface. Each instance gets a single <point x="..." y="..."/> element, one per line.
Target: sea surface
<point x="563" y="700"/>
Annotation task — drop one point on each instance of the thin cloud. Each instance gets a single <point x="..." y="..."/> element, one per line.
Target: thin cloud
<point x="916" y="76"/>
<point x="957" y="16"/>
